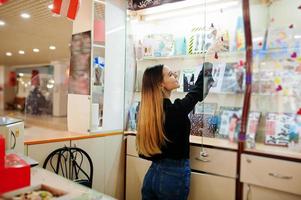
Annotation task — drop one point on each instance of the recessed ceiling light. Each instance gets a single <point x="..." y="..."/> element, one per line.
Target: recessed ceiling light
<point x="9" y="54"/>
<point x="21" y="52"/>
<point x="50" y="6"/>
<point x="52" y="47"/>
<point x="2" y="23"/>
<point x="25" y="15"/>
<point x="36" y="50"/>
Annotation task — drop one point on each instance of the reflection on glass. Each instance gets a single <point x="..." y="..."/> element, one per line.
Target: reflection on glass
<point x="277" y="75"/>
<point x="189" y="37"/>
<point x="98" y="67"/>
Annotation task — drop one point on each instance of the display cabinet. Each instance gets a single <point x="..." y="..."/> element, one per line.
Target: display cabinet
<point x="189" y="36"/>
<point x="271" y="157"/>
<point x="251" y="115"/>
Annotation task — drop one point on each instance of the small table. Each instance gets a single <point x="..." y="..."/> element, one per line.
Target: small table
<point x="74" y="191"/>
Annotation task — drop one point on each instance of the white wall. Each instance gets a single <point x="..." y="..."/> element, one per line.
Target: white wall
<point x="115" y="19"/>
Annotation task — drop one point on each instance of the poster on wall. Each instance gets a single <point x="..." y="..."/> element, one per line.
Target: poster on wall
<point x="79" y="76"/>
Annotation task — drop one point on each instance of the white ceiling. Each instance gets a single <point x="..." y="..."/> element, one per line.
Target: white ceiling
<point x="40" y="31"/>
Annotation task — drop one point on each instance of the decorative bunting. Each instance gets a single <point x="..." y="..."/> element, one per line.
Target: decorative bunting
<point x="66" y="8"/>
<point x="3" y="1"/>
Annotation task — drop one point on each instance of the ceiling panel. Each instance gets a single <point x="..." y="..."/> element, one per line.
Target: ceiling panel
<point x="40" y="31"/>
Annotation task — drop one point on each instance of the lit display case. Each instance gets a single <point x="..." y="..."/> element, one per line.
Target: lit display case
<point x="276" y="79"/>
<point x="188" y="36"/>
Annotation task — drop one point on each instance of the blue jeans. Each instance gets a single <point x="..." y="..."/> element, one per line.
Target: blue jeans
<point x="167" y="179"/>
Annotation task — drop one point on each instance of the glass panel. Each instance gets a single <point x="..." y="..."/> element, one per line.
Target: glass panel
<point x="188" y="36"/>
<point x="98" y="67"/>
<point x="34" y="91"/>
<point x="275" y="125"/>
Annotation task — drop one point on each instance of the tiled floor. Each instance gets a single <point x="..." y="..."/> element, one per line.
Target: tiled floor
<point x="45" y="121"/>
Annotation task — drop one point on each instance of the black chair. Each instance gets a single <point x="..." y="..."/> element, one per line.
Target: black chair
<point x="72" y="163"/>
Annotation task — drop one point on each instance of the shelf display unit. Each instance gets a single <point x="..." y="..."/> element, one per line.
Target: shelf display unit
<point x="251" y="114"/>
<point x="276" y="74"/>
<point x="183" y="36"/>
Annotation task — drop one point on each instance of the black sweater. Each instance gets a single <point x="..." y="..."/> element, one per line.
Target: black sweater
<point x="177" y="124"/>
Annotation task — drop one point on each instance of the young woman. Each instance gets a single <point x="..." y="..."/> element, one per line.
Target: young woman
<point x="163" y="133"/>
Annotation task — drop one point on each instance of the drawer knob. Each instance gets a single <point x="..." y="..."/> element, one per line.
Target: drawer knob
<point x="275" y="175"/>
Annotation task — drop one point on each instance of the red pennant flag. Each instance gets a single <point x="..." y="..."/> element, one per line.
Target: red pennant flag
<point x="2" y="2"/>
<point x="66" y="8"/>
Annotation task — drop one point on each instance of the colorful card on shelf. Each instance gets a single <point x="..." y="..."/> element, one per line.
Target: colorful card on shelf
<point x="203" y="125"/>
<point x="230" y="120"/>
<point x="277" y="128"/>
<point x="252" y="126"/>
<point x="239" y="36"/>
<point x="133" y="116"/>
<point x="187" y="78"/>
<point x="218" y="72"/>
<point x="279" y="38"/>
<point x="180" y="46"/>
<point x="196" y="41"/>
<point x="233" y="80"/>
<point x="205" y="108"/>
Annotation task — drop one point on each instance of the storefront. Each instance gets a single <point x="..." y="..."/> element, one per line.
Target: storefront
<point x="245" y="135"/>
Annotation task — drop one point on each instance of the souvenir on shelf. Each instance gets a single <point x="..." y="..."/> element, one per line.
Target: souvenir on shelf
<point x="277" y="128"/>
<point x="139" y="80"/>
<point x="133" y="116"/>
<point x="163" y="45"/>
<point x="239" y="36"/>
<point x="180" y="46"/>
<point x="201" y="39"/>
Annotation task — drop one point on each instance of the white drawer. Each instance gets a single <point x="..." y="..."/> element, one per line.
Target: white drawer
<point x="271" y="173"/>
<point x="131" y="146"/>
<point x="211" y="187"/>
<point x="252" y="192"/>
<point x="221" y="162"/>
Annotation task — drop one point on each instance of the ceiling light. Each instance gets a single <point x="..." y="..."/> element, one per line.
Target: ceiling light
<point x="50" y="7"/>
<point x="21" y="52"/>
<point x="25" y="15"/>
<point x="9" y="54"/>
<point x="297" y="36"/>
<point x="2" y="23"/>
<point x="36" y="50"/>
<point x="99" y="1"/>
<point x="52" y="47"/>
<point x="21" y="74"/>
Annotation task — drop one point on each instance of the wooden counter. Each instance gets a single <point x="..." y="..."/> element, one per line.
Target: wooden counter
<point x="39" y="135"/>
<point x="207" y="142"/>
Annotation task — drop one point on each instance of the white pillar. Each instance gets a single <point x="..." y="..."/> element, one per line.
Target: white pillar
<point x="79" y="106"/>
<point x="60" y="92"/>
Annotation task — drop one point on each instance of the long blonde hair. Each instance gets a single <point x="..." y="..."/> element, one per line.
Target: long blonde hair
<point x="150" y="131"/>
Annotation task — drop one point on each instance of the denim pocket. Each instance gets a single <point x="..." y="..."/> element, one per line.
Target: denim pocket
<point x="174" y="183"/>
